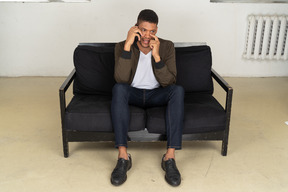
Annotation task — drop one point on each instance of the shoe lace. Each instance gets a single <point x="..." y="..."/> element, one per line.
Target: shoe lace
<point x="120" y="168"/>
<point x="171" y="168"/>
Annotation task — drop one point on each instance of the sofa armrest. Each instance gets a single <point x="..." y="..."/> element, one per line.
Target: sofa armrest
<point x="228" y="106"/>
<point x="226" y="87"/>
<point x="62" y="90"/>
<point x="68" y="81"/>
<point x="221" y="81"/>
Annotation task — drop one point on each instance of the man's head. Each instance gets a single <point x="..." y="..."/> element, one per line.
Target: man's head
<point x="147" y="22"/>
<point x="147" y="15"/>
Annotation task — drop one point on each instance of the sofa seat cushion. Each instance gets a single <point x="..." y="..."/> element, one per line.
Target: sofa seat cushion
<point x="202" y="113"/>
<point x="92" y="113"/>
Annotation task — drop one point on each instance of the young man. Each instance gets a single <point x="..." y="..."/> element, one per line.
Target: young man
<point x="145" y="72"/>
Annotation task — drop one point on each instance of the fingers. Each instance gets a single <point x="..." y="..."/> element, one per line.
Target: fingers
<point x="154" y="42"/>
<point x="136" y="31"/>
<point x="151" y="45"/>
<point x="155" y="37"/>
<point x="132" y="33"/>
<point x="139" y="38"/>
<point x="154" y="45"/>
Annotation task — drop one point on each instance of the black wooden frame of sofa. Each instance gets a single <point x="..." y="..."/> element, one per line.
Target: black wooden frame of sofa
<point x="81" y="136"/>
<point x="228" y="107"/>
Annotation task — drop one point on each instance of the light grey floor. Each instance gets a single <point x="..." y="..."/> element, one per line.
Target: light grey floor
<point x="31" y="155"/>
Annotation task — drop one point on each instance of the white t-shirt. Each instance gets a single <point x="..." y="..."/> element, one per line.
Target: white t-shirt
<point x="144" y="77"/>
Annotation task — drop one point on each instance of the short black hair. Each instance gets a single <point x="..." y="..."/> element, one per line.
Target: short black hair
<point x="147" y="15"/>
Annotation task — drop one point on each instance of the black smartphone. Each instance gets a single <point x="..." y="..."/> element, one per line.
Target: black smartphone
<point x="138" y="32"/>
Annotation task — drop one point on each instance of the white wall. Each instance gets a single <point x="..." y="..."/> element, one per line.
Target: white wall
<point x="38" y="39"/>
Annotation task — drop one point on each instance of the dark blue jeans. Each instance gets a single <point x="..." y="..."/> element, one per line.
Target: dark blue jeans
<point x="171" y="96"/>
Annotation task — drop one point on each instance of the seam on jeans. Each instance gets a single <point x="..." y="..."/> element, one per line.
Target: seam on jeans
<point x="144" y="97"/>
<point x="168" y="108"/>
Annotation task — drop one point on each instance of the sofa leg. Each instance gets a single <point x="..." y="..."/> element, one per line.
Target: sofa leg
<point x="65" y="144"/>
<point x="224" y="148"/>
<point x="66" y="149"/>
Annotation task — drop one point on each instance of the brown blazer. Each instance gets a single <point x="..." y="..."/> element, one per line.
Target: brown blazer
<point x="126" y="63"/>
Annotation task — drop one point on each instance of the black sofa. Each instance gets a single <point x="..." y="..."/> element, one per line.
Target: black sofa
<point x="87" y="116"/>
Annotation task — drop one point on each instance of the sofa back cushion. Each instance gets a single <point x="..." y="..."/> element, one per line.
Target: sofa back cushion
<point x="94" y="64"/>
<point x="194" y="69"/>
<point x="94" y="69"/>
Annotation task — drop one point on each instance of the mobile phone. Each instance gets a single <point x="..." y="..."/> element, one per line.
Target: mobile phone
<point x="138" y="32"/>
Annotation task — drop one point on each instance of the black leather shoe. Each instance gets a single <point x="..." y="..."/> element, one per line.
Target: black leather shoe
<point x="119" y="174"/>
<point x="172" y="175"/>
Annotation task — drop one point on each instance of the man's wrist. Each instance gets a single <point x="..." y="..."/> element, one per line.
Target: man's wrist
<point x="127" y="47"/>
<point x="159" y="65"/>
<point x="157" y="59"/>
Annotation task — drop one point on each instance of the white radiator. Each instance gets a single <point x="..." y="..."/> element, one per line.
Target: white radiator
<point x="266" y="37"/>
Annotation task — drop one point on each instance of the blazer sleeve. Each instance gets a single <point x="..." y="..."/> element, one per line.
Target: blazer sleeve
<point x="123" y="64"/>
<point x="165" y="70"/>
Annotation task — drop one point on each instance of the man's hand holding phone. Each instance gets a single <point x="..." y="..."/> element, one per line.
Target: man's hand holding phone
<point x="132" y="33"/>
<point x="154" y="45"/>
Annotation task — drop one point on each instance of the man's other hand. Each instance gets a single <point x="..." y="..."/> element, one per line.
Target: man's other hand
<point x="154" y="45"/>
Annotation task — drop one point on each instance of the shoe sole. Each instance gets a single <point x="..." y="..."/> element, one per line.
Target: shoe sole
<point x="118" y="184"/>
<point x="172" y="184"/>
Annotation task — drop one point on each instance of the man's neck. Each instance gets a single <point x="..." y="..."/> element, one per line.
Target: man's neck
<point x="143" y="49"/>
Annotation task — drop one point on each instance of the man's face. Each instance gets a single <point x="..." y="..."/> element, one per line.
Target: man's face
<point x="147" y="29"/>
